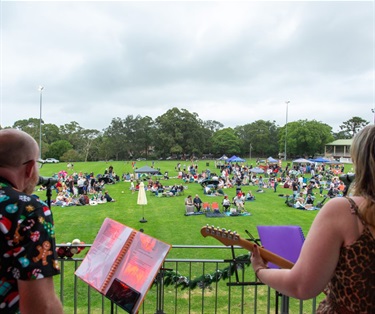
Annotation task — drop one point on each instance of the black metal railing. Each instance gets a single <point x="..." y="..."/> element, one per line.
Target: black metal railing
<point x="186" y="285"/>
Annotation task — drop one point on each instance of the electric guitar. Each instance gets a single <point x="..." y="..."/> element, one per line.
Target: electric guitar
<point x="232" y="238"/>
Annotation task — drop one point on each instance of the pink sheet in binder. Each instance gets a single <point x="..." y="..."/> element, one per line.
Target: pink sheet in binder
<point x="122" y="254"/>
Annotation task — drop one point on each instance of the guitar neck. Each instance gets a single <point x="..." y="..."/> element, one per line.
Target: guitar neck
<point x="230" y="238"/>
<point x="267" y="255"/>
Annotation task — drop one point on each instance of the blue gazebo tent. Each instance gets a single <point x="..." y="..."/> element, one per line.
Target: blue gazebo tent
<point x="320" y="159"/>
<point x="234" y="158"/>
<point x="302" y="161"/>
<point x="272" y="160"/>
<point x="223" y="158"/>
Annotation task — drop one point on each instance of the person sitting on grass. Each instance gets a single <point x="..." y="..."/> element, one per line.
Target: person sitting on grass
<point x="189" y="205"/>
<point x="197" y="202"/>
<point x="239" y="202"/>
<point x="300" y="203"/>
<point x="108" y="198"/>
<point x="226" y="203"/>
<point x="250" y="196"/>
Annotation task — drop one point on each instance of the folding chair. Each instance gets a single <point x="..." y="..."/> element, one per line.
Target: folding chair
<point x="206" y="206"/>
<point x="215" y="207"/>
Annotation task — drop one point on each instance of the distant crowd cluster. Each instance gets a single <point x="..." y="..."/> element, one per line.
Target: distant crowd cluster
<point x="80" y="189"/>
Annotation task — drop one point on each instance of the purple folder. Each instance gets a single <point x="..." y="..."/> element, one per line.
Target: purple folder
<point x="285" y="241"/>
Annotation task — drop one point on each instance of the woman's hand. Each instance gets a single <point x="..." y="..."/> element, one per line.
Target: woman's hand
<point x="256" y="260"/>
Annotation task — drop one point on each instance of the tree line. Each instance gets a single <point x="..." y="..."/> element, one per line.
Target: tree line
<point x="182" y="134"/>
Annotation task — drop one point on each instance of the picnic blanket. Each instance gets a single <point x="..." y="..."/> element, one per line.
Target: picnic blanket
<point x="214" y="215"/>
<point x="194" y="214"/>
<point x="237" y="215"/>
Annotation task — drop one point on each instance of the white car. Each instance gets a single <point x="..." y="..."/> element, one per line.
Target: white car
<point x="52" y="160"/>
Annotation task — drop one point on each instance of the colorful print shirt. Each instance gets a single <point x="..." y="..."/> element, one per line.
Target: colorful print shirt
<point x="27" y="243"/>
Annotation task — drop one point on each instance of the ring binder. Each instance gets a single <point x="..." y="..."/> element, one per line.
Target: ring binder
<point x="122" y="261"/>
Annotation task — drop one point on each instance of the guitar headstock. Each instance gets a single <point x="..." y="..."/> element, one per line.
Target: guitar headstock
<point x="227" y="237"/>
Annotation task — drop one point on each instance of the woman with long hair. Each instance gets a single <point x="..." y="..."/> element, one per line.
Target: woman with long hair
<point x="338" y="256"/>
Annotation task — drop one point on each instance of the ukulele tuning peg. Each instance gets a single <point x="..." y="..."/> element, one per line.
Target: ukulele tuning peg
<point x="223" y="229"/>
<point x="218" y="228"/>
<point x="234" y="232"/>
<point x="228" y="230"/>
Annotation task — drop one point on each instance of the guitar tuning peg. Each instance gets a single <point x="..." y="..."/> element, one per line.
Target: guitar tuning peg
<point x="228" y="230"/>
<point x="223" y="229"/>
<point x="218" y="228"/>
<point x="207" y="225"/>
<point x="234" y="232"/>
<point x="212" y="226"/>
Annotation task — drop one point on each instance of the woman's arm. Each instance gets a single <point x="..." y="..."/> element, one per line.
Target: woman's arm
<point x="318" y="258"/>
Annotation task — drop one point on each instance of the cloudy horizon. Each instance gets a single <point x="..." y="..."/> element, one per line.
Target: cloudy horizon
<point x="233" y="62"/>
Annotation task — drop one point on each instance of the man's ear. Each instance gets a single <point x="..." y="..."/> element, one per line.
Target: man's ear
<point x="29" y="168"/>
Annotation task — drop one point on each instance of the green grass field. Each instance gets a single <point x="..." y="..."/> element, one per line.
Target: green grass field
<point x="165" y="215"/>
<point x="166" y="220"/>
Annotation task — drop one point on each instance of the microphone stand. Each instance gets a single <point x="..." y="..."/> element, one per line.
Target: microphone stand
<point x="49" y="195"/>
<point x="48" y="183"/>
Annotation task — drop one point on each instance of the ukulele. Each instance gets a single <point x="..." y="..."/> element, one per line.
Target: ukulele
<point x="228" y="238"/>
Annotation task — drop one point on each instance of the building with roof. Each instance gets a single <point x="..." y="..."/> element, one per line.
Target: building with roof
<point x="339" y="149"/>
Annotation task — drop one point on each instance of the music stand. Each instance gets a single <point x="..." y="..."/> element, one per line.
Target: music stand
<point x="285" y="241"/>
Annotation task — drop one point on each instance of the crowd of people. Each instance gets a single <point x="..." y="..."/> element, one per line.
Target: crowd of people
<point x="82" y="189"/>
<point x="342" y="265"/>
<point x="305" y="181"/>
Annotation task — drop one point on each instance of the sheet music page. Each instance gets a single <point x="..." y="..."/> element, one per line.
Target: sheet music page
<point x="142" y="262"/>
<point x="98" y="262"/>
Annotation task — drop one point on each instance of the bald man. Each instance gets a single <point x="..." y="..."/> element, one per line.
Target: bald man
<point x="27" y="244"/>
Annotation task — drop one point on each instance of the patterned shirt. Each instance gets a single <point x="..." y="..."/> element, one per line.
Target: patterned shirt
<point x="27" y="243"/>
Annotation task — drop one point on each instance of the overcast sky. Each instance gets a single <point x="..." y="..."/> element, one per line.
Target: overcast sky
<point x="234" y="62"/>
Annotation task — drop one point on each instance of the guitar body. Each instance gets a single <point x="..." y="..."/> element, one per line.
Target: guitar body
<point x="229" y="238"/>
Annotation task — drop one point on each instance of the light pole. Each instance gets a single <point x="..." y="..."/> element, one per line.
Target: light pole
<point x="40" y="120"/>
<point x="286" y="127"/>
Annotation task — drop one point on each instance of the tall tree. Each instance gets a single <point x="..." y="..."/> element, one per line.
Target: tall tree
<point x="30" y="126"/>
<point x="145" y="130"/>
<point x="72" y="133"/>
<point x="58" y="149"/>
<point x="261" y="135"/>
<point x="210" y="127"/>
<point x="305" y="138"/>
<point x="179" y="132"/>
<point x="88" y="137"/>
<point x="226" y="141"/>
<point x="51" y="133"/>
<point x="130" y="130"/>
<point x="351" y="127"/>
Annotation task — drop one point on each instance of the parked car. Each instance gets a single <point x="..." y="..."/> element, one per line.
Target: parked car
<point x="52" y="160"/>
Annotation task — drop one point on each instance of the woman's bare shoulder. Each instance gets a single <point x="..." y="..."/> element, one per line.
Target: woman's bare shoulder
<point x="336" y="206"/>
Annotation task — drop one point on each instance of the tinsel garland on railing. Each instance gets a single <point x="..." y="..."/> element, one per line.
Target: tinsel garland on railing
<point x="205" y="281"/>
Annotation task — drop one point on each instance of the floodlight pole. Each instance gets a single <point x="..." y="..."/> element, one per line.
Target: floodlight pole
<point x="40" y="120"/>
<point x="286" y="127"/>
